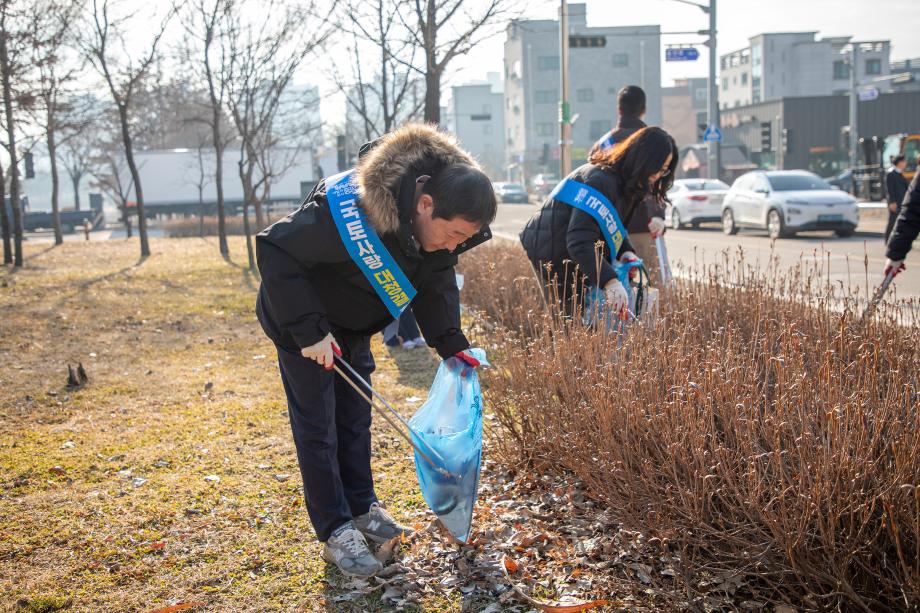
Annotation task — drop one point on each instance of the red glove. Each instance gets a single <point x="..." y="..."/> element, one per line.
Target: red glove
<point x="463" y="362"/>
<point x="894" y="267"/>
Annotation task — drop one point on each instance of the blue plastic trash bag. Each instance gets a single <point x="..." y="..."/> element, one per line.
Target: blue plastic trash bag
<point x="450" y="422"/>
<point x="596" y="312"/>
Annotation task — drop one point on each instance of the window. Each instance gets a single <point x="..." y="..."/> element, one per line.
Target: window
<point x="545" y="129"/>
<point x="841" y="70"/>
<point x="620" y="60"/>
<point x="598" y="129"/>
<point x="701" y="94"/>
<point x="874" y="66"/>
<point x="585" y="95"/>
<point x="725" y="85"/>
<point x="543" y="96"/>
<point x="744" y="80"/>
<point x="548" y="62"/>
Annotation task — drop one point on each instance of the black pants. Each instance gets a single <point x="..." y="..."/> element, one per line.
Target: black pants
<point x="331" y="425"/>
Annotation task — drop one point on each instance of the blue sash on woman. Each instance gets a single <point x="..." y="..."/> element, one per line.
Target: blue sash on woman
<point x="364" y="246"/>
<point x="597" y="205"/>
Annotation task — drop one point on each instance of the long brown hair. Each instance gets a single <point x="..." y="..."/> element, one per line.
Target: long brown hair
<point x="636" y="159"/>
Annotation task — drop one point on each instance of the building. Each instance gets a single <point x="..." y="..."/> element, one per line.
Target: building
<point x="625" y="56"/>
<point x="683" y="108"/>
<point x="797" y="64"/>
<point x="907" y="75"/>
<point x="805" y="132"/>
<point x="476" y="116"/>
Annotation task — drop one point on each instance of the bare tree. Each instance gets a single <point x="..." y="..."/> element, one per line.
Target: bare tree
<point x="50" y="30"/>
<point x="13" y="48"/>
<point x="123" y="79"/>
<point x="264" y="55"/>
<point x="386" y="94"/>
<point x="77" y="142"/>
<point x="209" y="28"/>
<point x="446" y="29"/>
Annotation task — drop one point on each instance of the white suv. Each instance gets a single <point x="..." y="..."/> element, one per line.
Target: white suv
<point x="784" y="202"/>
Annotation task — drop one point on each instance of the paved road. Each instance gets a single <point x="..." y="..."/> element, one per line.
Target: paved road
<point x="706" y="244"/>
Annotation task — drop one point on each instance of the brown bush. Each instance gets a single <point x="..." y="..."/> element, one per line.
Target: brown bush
<point x="185" y="227"/>
<point x="758" y="426"/>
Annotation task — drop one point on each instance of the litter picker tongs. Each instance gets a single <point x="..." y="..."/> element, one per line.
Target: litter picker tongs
<point x="426" y="453"/>
<point x="878" y="295"/>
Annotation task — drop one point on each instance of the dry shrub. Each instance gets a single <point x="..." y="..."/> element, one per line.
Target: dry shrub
<point x="185" y="227"/>
<point x="758" y="426"/>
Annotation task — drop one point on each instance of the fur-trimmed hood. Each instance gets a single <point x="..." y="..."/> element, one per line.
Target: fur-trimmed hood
<point x="381" y="170"/>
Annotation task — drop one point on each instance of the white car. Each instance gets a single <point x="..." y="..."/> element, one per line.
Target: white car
<point x="784" y="202"/>
<point x="694" y="201"/>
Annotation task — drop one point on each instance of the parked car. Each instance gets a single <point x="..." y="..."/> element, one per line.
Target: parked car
<point x="784" y="202"/>
<point x="543" y="184"/>
<point x="511" y="192"/>
<point x="695" y="201"/>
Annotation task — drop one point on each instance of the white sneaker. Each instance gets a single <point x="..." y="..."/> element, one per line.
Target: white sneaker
<point x="408" y="345"/>
<point x="420" y="342"/>
<point x="347" y="549"/>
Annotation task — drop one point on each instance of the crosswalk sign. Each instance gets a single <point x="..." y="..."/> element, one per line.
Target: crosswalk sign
<point x="712" y="134"/>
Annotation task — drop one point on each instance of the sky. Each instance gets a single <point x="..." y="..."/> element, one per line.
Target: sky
<point x="737" y="21"/>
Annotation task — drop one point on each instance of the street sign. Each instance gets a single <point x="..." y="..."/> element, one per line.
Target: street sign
<point x="681" y="54"/>
<point x="868" y="94"/>
<point x="712" y="135"/>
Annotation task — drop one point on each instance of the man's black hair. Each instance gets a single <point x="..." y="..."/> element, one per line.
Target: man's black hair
<point x="631" y="101"/>
<point x="897" y="159"/>
<point x="463" y="191"/>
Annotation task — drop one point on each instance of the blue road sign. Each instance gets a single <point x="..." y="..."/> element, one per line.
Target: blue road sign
<point x="681" y="54"/>
<point x="868" y="94"/>
<point x="712" y="135"/>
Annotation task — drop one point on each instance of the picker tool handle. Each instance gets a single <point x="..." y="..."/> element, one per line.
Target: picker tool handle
<point x="870" y="308"/>
<point x="388" y="418"/>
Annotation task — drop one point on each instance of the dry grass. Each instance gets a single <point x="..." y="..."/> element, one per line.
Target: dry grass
<point x="77" y="529"/>
<point x="758" y="428"/>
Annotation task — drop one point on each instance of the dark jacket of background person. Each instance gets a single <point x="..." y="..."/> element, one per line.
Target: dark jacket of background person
<point x="310" y="285"/>
<point x="626" y="127"/>
<point x="559" y="232"/>
<point x="896" y="186"/>
<point x="907" y="225"/>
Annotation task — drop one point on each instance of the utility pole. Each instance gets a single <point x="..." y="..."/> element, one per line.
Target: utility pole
<point x="714" y="147"/>
<point x="854" y="129"/>
<point x="565" y="112"/>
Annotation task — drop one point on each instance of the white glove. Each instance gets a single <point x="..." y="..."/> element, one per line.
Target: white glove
<point x="616" y="296"/>
<point x="322" y="352"/>
<point x="894" y="266"/>
<point x="656" y="226"/>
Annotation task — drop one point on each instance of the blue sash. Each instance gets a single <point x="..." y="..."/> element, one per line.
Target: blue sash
<point x="597" y="205"/>
<point x="607" y="143"/>
<point x="364" y="246"/>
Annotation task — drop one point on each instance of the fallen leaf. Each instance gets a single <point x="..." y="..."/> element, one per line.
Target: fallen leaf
<point x="182" y="606"/>
<point x="212" y="479"/>
<point x="68" y="445"/>
<point x="386" y="551"/>
<point x="550" y="607"/>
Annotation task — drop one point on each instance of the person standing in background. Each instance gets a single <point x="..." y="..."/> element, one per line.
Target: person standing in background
<point x="896" y="187"/>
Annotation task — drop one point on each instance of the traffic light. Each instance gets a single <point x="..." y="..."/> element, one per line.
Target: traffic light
<point x="544" y="159"/>
<point x="700" y="132"/>
<point x="845" y="138"/>
<point x="30" y="165"/>
<point x="587" y="41"/>
<point x="766" y="136"/>
<point x="786" y="142"/>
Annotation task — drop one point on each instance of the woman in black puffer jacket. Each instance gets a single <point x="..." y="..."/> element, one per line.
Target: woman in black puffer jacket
<point x="561" y="241"/>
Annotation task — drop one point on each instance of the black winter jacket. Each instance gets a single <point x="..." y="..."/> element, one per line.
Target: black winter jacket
<point x="310" y="285"/>
<point x="907" y="226"/>
<point x="625" y="128"/>
<point x="559" y="232"/>
<point x="896" y="186"/>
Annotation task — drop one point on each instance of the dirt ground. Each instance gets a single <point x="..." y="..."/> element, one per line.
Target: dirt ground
<point x="170" y="477"/>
